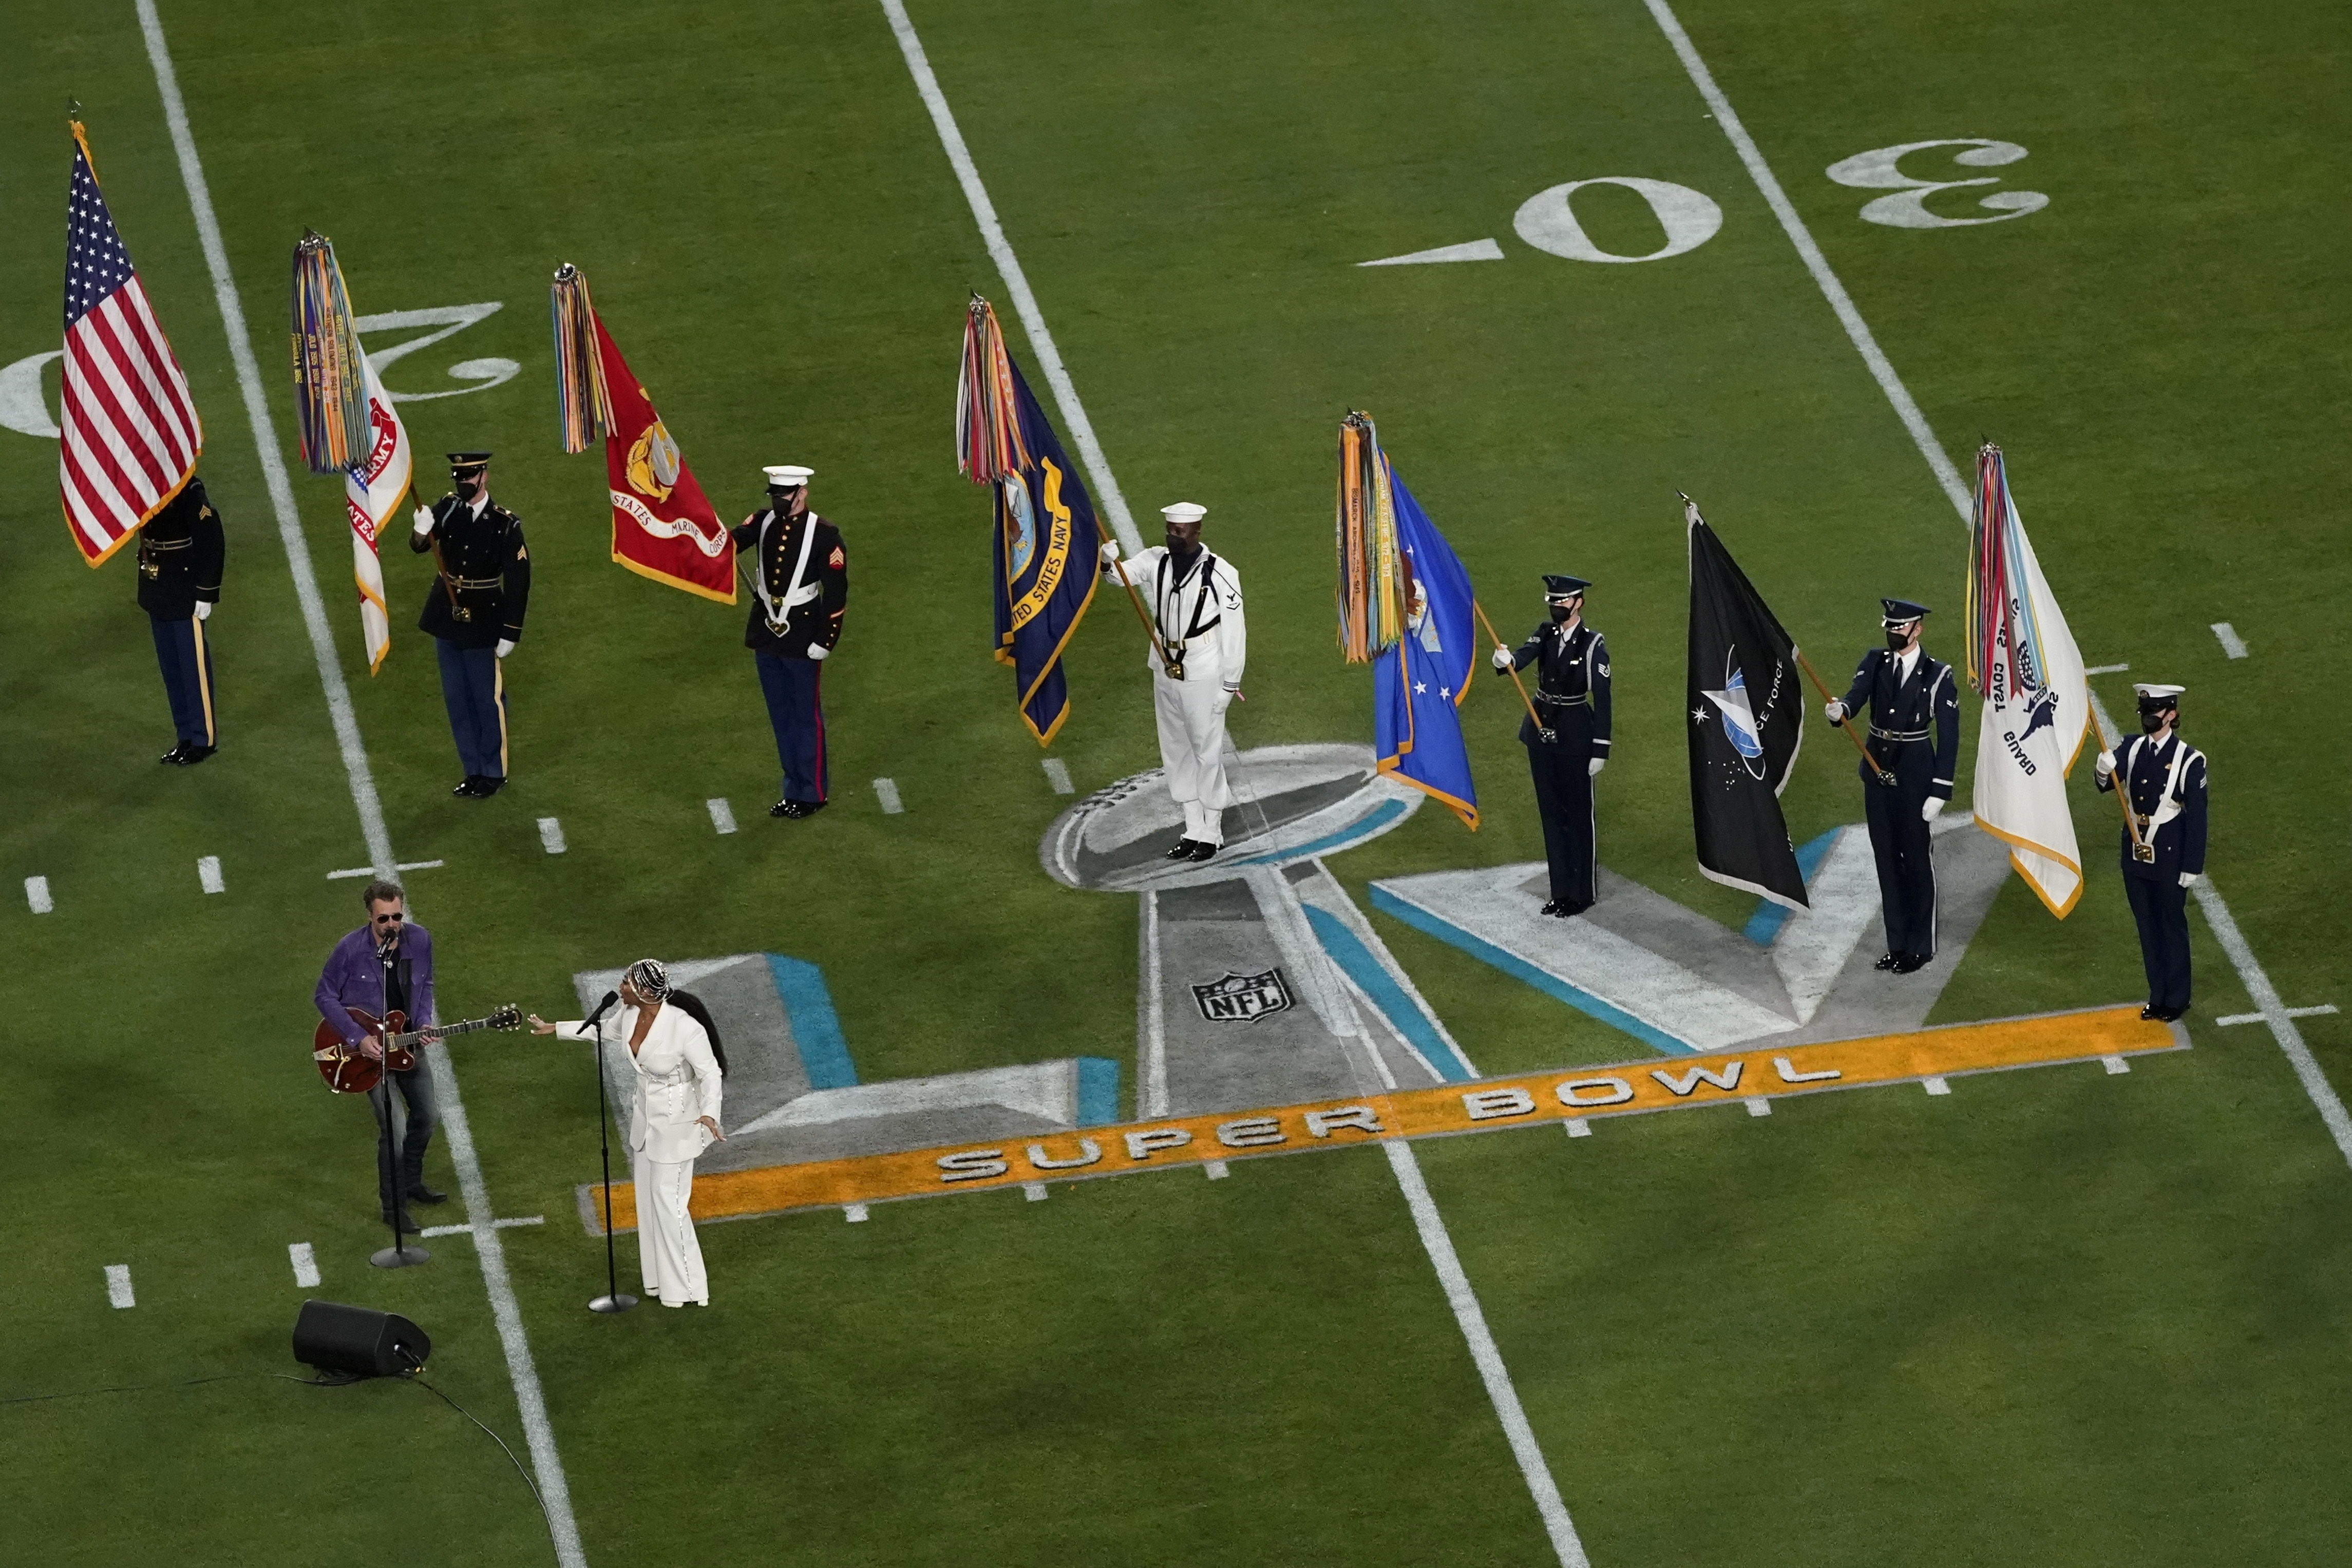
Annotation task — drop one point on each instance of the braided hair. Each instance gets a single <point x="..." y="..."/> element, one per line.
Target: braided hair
<point x="650" y="977"/>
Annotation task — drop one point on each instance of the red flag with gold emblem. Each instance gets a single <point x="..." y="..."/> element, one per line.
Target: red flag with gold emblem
<point x="662" y="525"/>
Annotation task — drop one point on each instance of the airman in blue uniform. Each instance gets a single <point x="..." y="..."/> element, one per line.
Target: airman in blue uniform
<point x="1568" y="751"/>
<point x="1907" y="776"/>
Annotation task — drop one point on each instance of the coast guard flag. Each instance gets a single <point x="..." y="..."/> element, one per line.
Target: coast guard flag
<point x="373" y="489"/>
<point x="129" y="427"/>
<point x="1747" y="722"/>
<point x="1418" y="685"/>
<point x="2037" y="707"/>
<point x="1045" y="559"/>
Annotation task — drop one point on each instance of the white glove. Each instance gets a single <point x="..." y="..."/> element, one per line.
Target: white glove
<point x="423" y="523"/>
<point x="505" y="646"/>
<point x="1109" y="551"/>
<point x="819" y="651"/>
<point x="1835" y="712"/>
<point x="1502" y="660"/>
<point x="1930" y="809"/>
<point x="2190" y="878"/>
<point x="2106" y="763"/>
<point x="204" y="611"/>
<point x="1593" y="768"/>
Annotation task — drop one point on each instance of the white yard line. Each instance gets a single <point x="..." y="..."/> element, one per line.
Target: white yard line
<point x="350" y="871"/>
<point x="306" y="1264"/>
<point x="2273" y="1010"/>
<point x="2322" y="1010"/>
<point x="504" y="1309"/>
<point x="1152" y="1094"/>
<point x="1815" y="262"/>
<point x="118" y="1287"/>
<point x="468" y="1229"/>
<point x="551" y="836"/>
<point x="1057" y="777"/>
<point x="1017" y="283"/>
<point x="2231" y="643"/>
<point x="208" y="874"/>
<point x="36" y="894"/>
<point x="722" y="816"/>
<point x="886" y="791"/>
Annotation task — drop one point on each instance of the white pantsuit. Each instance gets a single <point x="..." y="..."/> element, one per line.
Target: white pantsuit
<point x="1198" y="610"/>
<point x="676" y="1083"/>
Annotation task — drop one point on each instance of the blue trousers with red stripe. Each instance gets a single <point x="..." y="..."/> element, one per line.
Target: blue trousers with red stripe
<point x="473" y="690"/>
<point x="186" y="659"/>
<point x="797" y="715"/>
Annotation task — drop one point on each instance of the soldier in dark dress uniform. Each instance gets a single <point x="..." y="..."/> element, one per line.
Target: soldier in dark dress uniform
<point x="1567" y="752"/>
<point x="800" y="590"/>
<point x="1915" y="744"/>
<point x="2163" y="849"/>
<point x="473" y="611"/>
<point x="181" y="550"/>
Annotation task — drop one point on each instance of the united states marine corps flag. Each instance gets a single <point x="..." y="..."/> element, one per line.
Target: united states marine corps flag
<point x="2037" y="709"/>
<point x="663" y="528"/>
<point x="1745" y="720"/>
<point x="1045" y="535"/>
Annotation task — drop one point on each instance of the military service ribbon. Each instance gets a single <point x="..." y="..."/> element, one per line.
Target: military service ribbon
<point x="330" y="402"/>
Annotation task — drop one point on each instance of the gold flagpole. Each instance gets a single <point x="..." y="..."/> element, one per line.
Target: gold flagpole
<point x="1505" y="647"/>
<point x="1868" y="760"/>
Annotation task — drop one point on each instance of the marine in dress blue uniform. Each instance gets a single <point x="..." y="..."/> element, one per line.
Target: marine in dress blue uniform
<point x="1913" y="746"/>
<point x="800" y="580"/>
<point x="1567" y="752"/>
<point x="2163" y="849"/>
<point x="180" y="552"/>
<point x="474" y="611"/>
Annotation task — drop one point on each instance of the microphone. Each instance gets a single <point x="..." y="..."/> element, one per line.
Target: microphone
<point x="610" y="997"/>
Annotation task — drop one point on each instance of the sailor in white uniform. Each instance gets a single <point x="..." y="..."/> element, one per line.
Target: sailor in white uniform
<point x="1195" y="600"/>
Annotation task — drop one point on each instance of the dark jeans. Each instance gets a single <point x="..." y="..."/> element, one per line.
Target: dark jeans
<point x="407" y="1162"/>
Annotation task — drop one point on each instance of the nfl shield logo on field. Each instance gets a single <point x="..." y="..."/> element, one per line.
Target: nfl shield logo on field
<point x="1243" y="999"/>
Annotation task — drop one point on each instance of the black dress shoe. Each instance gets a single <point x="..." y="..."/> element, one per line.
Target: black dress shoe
<point x="466" y="790"/>
<point x="2148" y="1011"/>
<point x="1886" y="961"/>
<point x="192" y="754"/>
<point x="177" y="756"/>
<point x="1201" y="850"/>
<point x="1570" y="910"/>
<point x="420" y="1193"/>
<point x="2169" y="1015"/>
<point x="1906" y="963"/>
<point x="795" y="808"/>
<point x="485" y="785"/>
<point x="1182" y="850"/>
<point x="1555" y="907"/>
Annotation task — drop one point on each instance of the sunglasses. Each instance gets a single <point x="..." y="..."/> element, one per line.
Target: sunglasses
<point x="390" y="919"/>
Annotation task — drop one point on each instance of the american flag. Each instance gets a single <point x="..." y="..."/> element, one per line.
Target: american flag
<point x="131" y="431"/>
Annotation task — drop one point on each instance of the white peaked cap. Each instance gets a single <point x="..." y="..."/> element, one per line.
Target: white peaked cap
<point x="2157" y="691"/>
<point x="788" y="474"/>
<point x="1184" y="512"/>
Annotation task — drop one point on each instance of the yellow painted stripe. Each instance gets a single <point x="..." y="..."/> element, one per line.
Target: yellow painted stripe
<point x="1623" y="1089"/>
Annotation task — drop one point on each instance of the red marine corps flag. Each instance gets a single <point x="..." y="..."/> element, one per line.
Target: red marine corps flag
<point x="131" y="431"/>
<point x="662" y="525"/>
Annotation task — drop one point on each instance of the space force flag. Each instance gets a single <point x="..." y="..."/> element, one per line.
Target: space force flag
<point x="1746" y="723"/>
<point x="1419" y="681"/>
<point x="663" y="528"/>
<point x="2037" y="710"/>
<point x="372" y="488"/>
<point x="1046" y="541"/>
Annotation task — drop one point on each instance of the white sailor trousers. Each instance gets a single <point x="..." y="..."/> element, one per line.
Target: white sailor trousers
<point x="1191" y="719"/>
<point x="667" y="1248"/>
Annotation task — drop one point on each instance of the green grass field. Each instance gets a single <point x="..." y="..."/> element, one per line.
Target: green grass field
<point x="2057" y="1318"/>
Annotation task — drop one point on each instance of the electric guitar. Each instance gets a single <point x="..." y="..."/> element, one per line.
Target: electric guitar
<point x="349" y="1072"/>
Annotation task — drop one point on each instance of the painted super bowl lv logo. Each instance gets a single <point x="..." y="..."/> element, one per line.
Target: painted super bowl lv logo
<point x="1243" y="999"/>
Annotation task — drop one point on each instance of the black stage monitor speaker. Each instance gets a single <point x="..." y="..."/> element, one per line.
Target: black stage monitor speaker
<point x="333" y="1337"/>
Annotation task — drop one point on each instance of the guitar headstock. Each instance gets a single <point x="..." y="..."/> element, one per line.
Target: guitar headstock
<point x="506" y="1016"/>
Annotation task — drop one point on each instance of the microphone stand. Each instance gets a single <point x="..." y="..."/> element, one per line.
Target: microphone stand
<point x="399" y="1255"/>
<point x="612" y="1301"/>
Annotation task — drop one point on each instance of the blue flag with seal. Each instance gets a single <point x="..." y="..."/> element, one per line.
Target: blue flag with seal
<point x="1045" y="548"/>
<point x="1419" y="681"/>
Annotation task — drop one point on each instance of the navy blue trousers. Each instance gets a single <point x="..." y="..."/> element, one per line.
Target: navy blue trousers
<point x="2161" y="911"/>
<point x="797" y="715"/>
<point x="475" y="691"/>
<point x="186" y="657"/>
<point x="1563" y="779"/>
<point x="1905" y="848"/>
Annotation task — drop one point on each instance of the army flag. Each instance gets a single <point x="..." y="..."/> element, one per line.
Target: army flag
<point x="1044" y="552"/>
<point x="1746" y="723"/>
<point x="2037" y="709"/>
<point x="1419" y="681"/>
<point x="373" y="489"/>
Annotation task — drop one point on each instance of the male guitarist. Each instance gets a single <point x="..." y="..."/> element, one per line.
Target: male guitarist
<point x="386" y="966"/>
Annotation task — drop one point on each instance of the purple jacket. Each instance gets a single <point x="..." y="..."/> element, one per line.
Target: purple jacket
<point x="354" y="979"/>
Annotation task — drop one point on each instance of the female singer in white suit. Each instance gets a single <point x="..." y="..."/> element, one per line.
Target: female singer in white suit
<point x="673" y="1117"/>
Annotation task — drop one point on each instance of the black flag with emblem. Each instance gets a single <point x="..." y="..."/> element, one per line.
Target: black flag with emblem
<point x="1746" y="721"/>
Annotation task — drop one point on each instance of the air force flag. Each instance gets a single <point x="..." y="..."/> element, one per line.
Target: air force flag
<point x="1044" y="560"/>
<point x="1418" y="685"/>
<point x="1745" y="722"/>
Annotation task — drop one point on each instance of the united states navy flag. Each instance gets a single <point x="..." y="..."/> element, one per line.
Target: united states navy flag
<point x="1045" y="577"/>
<point x="1418" y="685"/>
<point x="1746" y="721"/>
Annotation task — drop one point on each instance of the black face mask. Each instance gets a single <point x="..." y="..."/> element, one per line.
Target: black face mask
<point x="781" y="502"/>
<point x="1896" y="642"/>
<point x="1182" y="550"/>
<point x="1562" y="612"/>
<point x="470" y="488"/>
<point x="2152" y="719"/>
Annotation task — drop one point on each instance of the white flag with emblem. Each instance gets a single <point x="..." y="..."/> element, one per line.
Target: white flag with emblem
<point x="371" y="494"/>
<point x="2037" y="704"/>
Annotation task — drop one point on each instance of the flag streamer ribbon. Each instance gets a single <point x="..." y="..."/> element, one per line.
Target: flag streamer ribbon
<point x="584" y="403"/>
<point x="1370" y="592"/>
<point x="331" y="402"/>
<point x="989" y="443"/>
<point x="1994" y="536"/>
